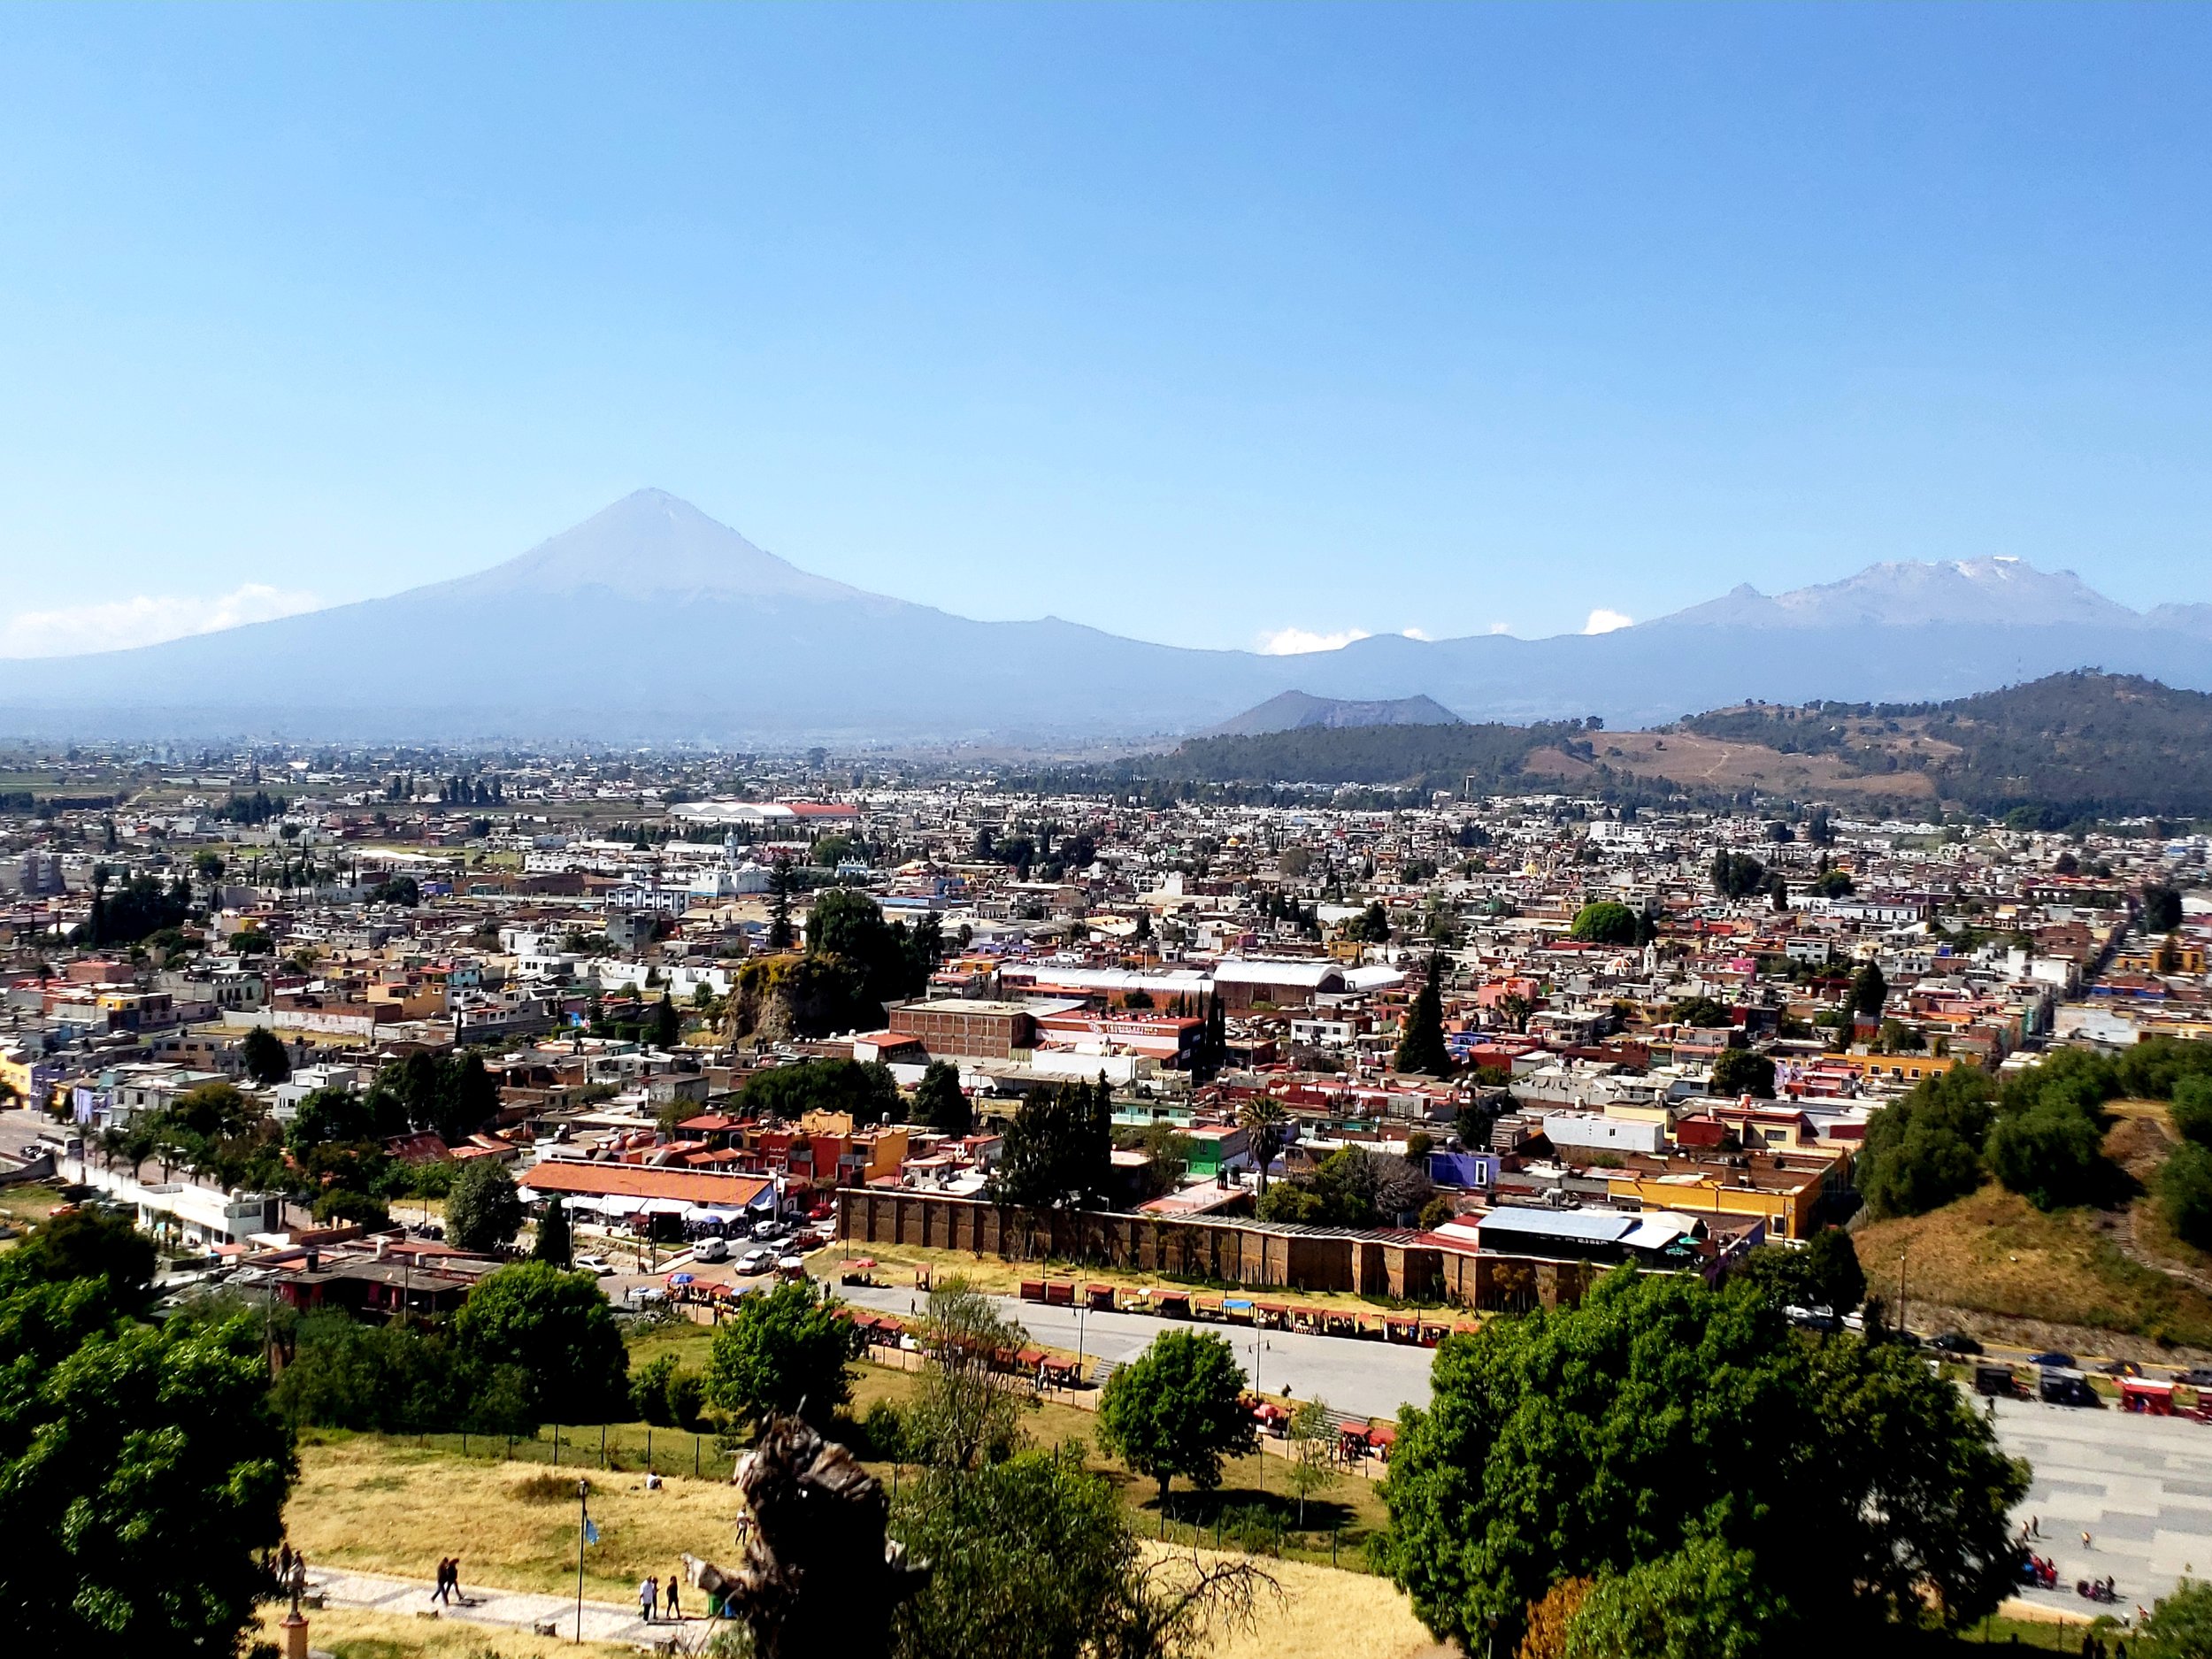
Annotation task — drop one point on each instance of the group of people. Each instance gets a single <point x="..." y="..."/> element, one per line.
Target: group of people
<point x="653" y="1600"/>
<point x="449" y="1581"/>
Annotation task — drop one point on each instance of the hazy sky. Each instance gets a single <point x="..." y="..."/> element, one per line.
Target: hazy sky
<point x="1196" y="324"/>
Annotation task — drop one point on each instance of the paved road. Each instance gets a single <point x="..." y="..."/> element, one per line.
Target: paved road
<point x="2140" y="1486"/>
<point x="1363" y="1378"/>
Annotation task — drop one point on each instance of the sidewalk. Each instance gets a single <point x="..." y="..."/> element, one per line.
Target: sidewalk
<point x="514" y="1610"/>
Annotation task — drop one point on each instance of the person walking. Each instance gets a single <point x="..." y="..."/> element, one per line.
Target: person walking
<point x="648" y="1598"/>
<point x="453" y="1579"/>
<point x="669" y="1598"/>
<point x="438" y="1594"/>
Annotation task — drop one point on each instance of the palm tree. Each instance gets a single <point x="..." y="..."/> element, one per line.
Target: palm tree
<point x="1267" y="1128"/>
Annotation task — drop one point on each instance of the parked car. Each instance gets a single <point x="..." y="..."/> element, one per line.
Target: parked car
<point x="2062" y="1386"/>
<point x="2121" y="1367"/>
<point x="711" y="1250"/>
<point x="1813" y="1319"/>
<point x="2064" y="1362"/>
<point x="765" y="1231"/>
<point x="1955" y="1342"/>
<point x="791" y="1266"/>
<point x="756" y="1260"/>
<point x="595" y="1264"/>
<point x="2197" y="1377"/>
<point x="646" y="1296"/>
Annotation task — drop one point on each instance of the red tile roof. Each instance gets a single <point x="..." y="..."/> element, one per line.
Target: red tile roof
<point x="627" y="1180"/>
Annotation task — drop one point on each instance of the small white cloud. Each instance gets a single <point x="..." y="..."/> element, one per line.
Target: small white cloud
<point x="1604" y="621"/>
<point x="1501" y="627"/>
<point x="1414" y="633"/>
<point x="117" y="625"/>
<point x="1298" y="642"/>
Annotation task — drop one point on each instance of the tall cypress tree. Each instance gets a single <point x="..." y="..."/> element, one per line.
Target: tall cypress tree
<point x="1421" y="1040"/>
<point x="553" y="1243"/>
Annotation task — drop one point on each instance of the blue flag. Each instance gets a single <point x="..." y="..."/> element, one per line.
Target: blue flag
<point x="591" y="1531"/>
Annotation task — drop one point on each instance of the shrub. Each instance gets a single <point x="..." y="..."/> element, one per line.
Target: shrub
<point x="2185" y="1187"/>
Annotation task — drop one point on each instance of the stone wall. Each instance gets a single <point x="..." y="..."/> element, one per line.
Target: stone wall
<point x="1242" y="1253"/>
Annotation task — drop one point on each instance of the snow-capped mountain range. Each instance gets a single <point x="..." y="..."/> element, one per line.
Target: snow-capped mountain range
<point x="651" y="620"/>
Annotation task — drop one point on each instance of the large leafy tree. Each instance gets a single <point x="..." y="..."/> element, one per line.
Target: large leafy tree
<point x="939" y="1103"/>
<point x="1607" y="922"/>
<point x="1663" y="1415"/>
<point x="1924" y="1150"/>
<point x="784" y="1353"/>
<point x="1744" y="1072"/>
<point x="264" y="1056"/>
<point x="483" y="1212"/>
<point x="142" y="1470"/>
<point x="558" y="1328"/>
<point x="1822" y="1273"/>
<point x="866" y="1089"/>
<point x="1178" y="1409"/>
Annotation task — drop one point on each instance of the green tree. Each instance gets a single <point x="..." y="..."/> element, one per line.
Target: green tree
<point x="1029" y="1560"/>
<point x="1737" y="875"/>
<point x="2180" y="1624"/>
<point x="558" y="1328"/>
<point x="2162" y="909"/>
<point x="1924" y="1150"/>
<point x="143" y="1473"/>
<point x="1058" y="1152"/>
<point x="1421" y="1047"/>
<point x="1605" y="923"/>
<point x="966" y="1412"/>
<point x="668" y="1024"/>
<point x="1744" y="1072"/>
<point x="1661" y="1413"/>
<point x="2052" y="1154"/>
<point x="1178" y="1409"/>
<point x="1868" y="990"/>
<point x="2184" y="1189"/>
<point x="2192" y="1110"/>
<point x="865" y="1089"/>
<point x="554" y="1241"/>
<point x="1703" y="1602"/>
<point x="784" y="1353"/>
<point x="264" y="1056"/>
<point x="1312" y="1444"/>
<point x="938" y="1102"/>
<point x="1267" y="1128"/>
<point x="483" y="1211"/>
<point x="1822" y="1273"/>
<point x="1700" y="1011"/>
<point x="783" y="881"/>
<point x="89" y="1245"/>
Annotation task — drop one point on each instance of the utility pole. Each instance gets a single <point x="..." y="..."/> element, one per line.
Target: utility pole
<point x="583" y="1532"/>
<point x="1900" y="1293"/>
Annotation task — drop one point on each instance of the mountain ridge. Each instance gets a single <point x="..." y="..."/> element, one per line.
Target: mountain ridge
<point x="652" y="621"/>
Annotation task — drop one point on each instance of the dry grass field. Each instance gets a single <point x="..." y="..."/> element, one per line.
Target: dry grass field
<point x="378" y="1505"/>
<point x="1707" y="763"/>
<point x="1996" y="1253"/>
<point x="1324" y="1615"/>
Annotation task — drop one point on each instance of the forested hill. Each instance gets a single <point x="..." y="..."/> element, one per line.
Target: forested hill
<point x="2067" y="746"/>
<point x="1425" y="756"/>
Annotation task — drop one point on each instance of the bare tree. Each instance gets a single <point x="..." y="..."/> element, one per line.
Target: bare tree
<point x="816" y="1574"/>
<point x="967" y="1409"/>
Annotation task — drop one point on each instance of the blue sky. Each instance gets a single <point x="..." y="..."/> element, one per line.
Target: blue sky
<point x="1198" y="324"/>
